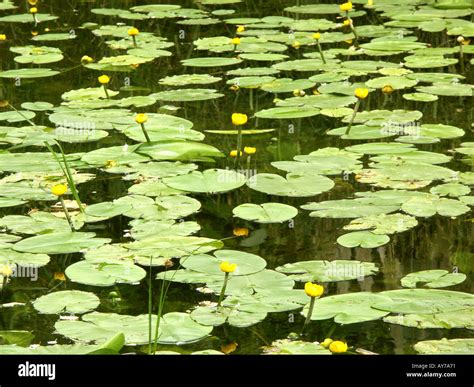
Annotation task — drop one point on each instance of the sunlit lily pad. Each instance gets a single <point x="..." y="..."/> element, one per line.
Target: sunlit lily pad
<point x="295" y="185"/>
<point x="104" y="274"/>
<point x="98" y="327"/>
<point x="349" y="308"/>
<point x="325" y="271"/>
<point x="445" y="347"/>
<point x="66" y="301"/>
<point x="432" y="279"/>
<point x="60" y="243"/>
<point x="266" y="212"/>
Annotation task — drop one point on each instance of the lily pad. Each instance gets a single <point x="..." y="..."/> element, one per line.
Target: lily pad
<point x="67" y="301"/>
<point x="266" y="212"/>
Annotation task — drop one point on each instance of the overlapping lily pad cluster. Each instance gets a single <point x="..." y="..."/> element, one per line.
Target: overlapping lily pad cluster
<point x="310" y="62"/>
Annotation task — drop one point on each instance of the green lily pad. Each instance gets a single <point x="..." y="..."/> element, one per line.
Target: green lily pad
<point x="295" y="185"/>
<point x="67" y="301"/>
<point x="297" y="347"/>
<point x="175" y="328"/>
<point x="364" y="239"/>
<point x="104" y="274"/>
<point x="445" y="347"/>
<point x="60" y="243"/>
<point x="432" y="279"/>
<point x="348" y="308"/>
<point x="209" y="181"/>
<point x="246" y="263"/>
<point x="328" y="271"/>
<point x="426" y="301"/>
<point x="265" y="213"/>
<point x="383" y="224"/>
<point x="349" y="208"/>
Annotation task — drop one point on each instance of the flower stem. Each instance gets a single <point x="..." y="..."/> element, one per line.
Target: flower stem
<point x="224" y="286"/>
<point x="68" y="217"/>
<point x="145" y="133"/>
<point x="239" y="146"/>
<point x="310" y="312"/>
<point x="356" y="109"/>
<point x="321" y="52"/>
<point x="106" y="92"/>
<point x="134" y="42"/>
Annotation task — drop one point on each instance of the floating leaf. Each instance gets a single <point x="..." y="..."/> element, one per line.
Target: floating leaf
<point x="266" y="212"/>
<point x="66" y="301"/>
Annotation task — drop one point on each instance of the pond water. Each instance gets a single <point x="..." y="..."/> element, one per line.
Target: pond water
<point x="395" y="40"/>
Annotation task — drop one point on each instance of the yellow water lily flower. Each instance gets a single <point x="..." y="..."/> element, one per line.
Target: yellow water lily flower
<point x="32" y="2"/>
<point x="387" y="89"/>
<point x="370" y="3"/>
<point x="4" y="103"/>
<point x="240" y="29"/>
<point x="59" y="276"/>
<point x="234" y="88"/>
<point x="235" y="41"/>
<point x="326" y="343"/>
<point x="6" y="271"/>
<point x="86" y="59"/>
<point x="227" y="267"/>
<point x="141" y="118"/>
<point x="250" y="150"/>
<point x="34" y="33"/>
<point x="313" y="290"/>
<point x="338" y="347"/>
<point x="361" y="93"/>
<point x="346" y="22"/>
<point x="59" y="189"/>
<point x="296" y="45"/>
<point x="317" y="36"/>
<point x="3" y="37"/>
<point x="133" y="31"/>
<point x="239" y="119"/>
<point x="346" y="7"/>
<point x="233" y="153"/>
<point x="104" y="79"/>
<point x="241" y="231"/>
<point x="33" y="10"/>
<point x="229" y="347"/>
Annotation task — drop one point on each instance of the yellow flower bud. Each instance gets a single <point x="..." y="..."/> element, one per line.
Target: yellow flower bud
<point x="33" y="10"/>
<point x="326" y="342"/>
<point x="32" y="2"/>
<point x="361" y="93"/>
<point x="317" y="36"/>
<point x="227" y="267"/>
<point x="86" y="59"/>
<point x="235" y="41"/>
<point x="59" y="276"/>
<point x="346" y="7"/>
<point x="346" y="22"/>
<point x="133" y="31"/>
<point x="104" y="79"/>
<point x="313" y="290"/>
<point x="6" y="271"/>
<point x="250" y="150"/>
<point x="4" y="103"/>
<point x="460" y="39"/>
<point x="242" y="231"/>
<point x="3" y="37"/>
<point x="387" y="89"/>
<point x="370" y="3"/>
<point x="296" y="45"/>
<point x="141" y="118"/>
<point x="239" y="119"/>
<point x="34" y="33"/>
<point x="240" y="29"/>
<point x="233" y="153"/>
<point x="338" y="347"/>
<point x="59" y="189"/>
<point x="234" y="88"/>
